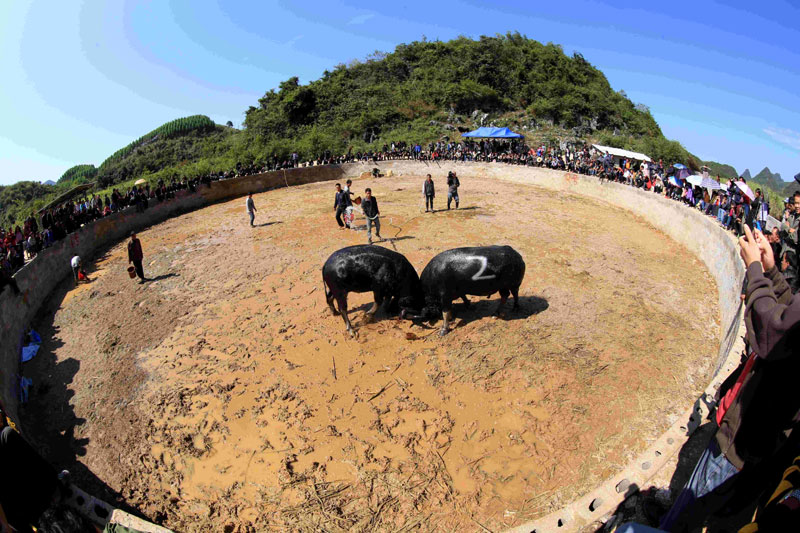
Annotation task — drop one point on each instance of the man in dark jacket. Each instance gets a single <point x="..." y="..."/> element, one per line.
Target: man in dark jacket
<point x="370" y="207"/>
<point x="341" y="202"/>
<point x="429" y="192"/>
<point x="452" y="188"/>
<point x="757" y="413"/>
<point x="135" y="256"/>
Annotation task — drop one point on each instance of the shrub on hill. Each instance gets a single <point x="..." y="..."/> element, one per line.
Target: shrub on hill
<point x="79" y="174"/>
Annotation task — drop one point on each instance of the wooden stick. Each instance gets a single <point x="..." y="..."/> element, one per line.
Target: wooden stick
<point x="383" y="389"/>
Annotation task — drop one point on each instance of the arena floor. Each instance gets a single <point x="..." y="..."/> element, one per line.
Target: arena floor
<point x="223" y="395"/>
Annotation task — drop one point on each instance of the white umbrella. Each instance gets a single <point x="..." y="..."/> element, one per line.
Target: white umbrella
<point x="139" y="182"/>
<point x="710" y="184"/>
<point x="746" y="190"/>
<point x="695" y="179"/>
<point x="772" y="222"/>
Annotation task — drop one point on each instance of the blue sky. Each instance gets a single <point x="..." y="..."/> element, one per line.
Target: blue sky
<point x="83" y="79"/>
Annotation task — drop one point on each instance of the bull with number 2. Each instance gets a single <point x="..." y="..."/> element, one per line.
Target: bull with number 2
<point x="460" y="272"/>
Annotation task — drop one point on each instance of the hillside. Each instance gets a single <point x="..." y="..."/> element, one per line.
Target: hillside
<point x="425" y="90"/>
<point x="722" y="170"/>
<point x="188" y="146"/>
<point x="420" y="92"/>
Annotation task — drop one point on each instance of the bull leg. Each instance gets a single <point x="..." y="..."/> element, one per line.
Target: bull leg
<point x="375" y="306"/>
<point x="447" y="316"/>
<point x="515" y="294"/>
<point x="503" y="298"/>
<point x="342" y="301"/>
<point x="466" y="301"/>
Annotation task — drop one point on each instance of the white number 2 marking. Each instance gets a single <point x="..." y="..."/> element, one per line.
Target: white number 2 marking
<point x="484" y="263"/>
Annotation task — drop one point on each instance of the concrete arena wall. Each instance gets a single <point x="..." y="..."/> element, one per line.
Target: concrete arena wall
<point x="39" y="278"/>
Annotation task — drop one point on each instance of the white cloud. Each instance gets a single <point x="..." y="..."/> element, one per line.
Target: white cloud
<point x="785" y="136"/>
<point x="360" y="19"/>
<point x="291" y="42"/>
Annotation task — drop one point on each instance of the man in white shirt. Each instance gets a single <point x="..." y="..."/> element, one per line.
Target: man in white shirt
<point x="76" y="267"/>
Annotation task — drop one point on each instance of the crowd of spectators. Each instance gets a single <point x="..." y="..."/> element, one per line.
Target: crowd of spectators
<point x="731" y="207"/>
<point x="19" y="244"/>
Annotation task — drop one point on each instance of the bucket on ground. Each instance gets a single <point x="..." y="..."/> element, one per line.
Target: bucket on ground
<point x="131" y="272"/>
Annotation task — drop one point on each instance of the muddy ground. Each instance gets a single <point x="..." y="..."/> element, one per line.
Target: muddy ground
<point x="223" y="395"/>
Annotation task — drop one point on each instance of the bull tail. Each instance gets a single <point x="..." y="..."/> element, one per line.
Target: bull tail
<point x="329" y="297"/>
<point x="328" y="294"/>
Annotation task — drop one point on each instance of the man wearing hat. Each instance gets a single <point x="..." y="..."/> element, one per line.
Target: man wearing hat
<point x="135" y="256"/>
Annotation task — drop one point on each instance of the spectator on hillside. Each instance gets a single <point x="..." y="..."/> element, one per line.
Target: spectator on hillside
<point x="789" y="270"/>
<point x="791" y="222"/>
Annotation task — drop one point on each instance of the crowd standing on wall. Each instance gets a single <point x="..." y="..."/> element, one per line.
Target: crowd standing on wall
<point x="732" y="207"/>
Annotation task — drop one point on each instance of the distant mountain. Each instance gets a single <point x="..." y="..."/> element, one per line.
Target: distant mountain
<point x="48" y="182"/>
<point x="746" y="174"/>
<point x="766" y="178"/>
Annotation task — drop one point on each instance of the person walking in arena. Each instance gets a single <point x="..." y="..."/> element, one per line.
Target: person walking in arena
<point x="370" y="207"/>
<point x="429" y="192"/>
<point x="135" y="256"/>
<point x="340" y="203"/>
<point x="251" y="208"/>
<point x="452" y="188"/>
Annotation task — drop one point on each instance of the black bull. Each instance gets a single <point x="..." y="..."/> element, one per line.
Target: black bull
<point x="365" y="268"/>
<point x="479" y="271"/>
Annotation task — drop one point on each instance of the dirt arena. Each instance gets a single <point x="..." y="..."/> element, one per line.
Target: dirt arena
<point x="224" y="396"/>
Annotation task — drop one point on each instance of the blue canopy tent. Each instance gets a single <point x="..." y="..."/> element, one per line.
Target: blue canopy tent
<point x="493" y="133"/>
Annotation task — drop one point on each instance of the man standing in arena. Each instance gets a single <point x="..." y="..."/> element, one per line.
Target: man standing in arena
<point x="135" y="256"/>
<point x="428" y="191"/>
<point x="370" y="207"/>
<point x="251" y="208"/>
<point x="452" y="188"/>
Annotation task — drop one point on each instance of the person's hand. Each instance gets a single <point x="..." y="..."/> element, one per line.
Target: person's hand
<point x="792" y="230"/>
<point x="748" y="247"/>
<point x="767" y="256"/>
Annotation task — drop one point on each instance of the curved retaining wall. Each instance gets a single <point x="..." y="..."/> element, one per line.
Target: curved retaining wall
<point x="701" y="236"/>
